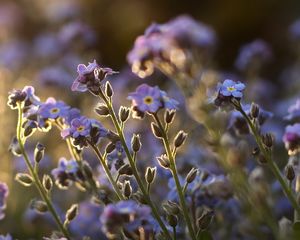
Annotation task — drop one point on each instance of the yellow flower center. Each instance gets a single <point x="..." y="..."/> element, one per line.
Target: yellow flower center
<point x="231" y="89"/>
<point x="54" y="110"/>
<point x="148" y="100"/>
<point x="80" y="128"/>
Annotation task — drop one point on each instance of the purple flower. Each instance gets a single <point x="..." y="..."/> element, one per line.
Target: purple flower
<point x="82" y="130"/>
<point x="6" y="237"/>
<point x="53" y="109"/>
<point x="146" y="98"/>
<point x="66" y="172"/>
<point x="168" y="103"/>
<point x="3" y="197"/>
<point x="125" y="214"/>
<point x="294" y="112"/>
<point x="253" y="55"/>
<point x="25" y="96"/>
<point x="89" y="77"/>
<point x="291" y="138"/>
<point x="231" y="88"/>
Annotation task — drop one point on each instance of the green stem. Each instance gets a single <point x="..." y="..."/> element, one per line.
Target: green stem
<point x="131" y="160"/>
<point x="176" y="178"/>
<point x="35" y="176"/>
<point x="174" y="233"/>
<point x="107" y="171"/>
<point x="272" y="165"/>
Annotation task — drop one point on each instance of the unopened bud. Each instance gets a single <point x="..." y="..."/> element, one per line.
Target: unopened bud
<point x="156" y="130"/>
<point x="14" y="147"/>
<point x="172" y="220"/>
<point x="164" y="161"/>
<point x="47" y="183"/>
<point x="289" y="172"/>
<point x="29" y="128"/>
<point x="102" y="110"/>
<point x="108" y="89"/>
<point x="127" y="189"/>
<point x="171" y="208"/>
<point x="125" y="170"/>
<point x="205" y="220"/>
<point x="110" y="147"/>
<point x="268" y="140"/>
<point x="169" y="116"/>
<point x="150" y="174"/>
<point x="39" y="152"/>
<point x="254" y="110"/>
<point x="191" y="175"/>
<point x="136" y="143"/>
<point x="72" y="212"/>
<point x="179" y="139"/>
<point x="124" y="113"/>
<point x="39" y="206"/>
<point x="24" y="178"/>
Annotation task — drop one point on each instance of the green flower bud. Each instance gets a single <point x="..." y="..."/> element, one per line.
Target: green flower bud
<point x="24" y="178"/>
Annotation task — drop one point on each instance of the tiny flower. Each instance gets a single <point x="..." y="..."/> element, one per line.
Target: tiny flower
<point x="90" y="76"/>
<point x="66" y="172"/>
<point x="168" y="103"/>
<point x="294" y="112"/>
<point x="291" y="138"/>
<point x="53" y="109"/>
<point x="3" y="197"/>
<point x="231" y="88"/>
<point x="25" y="96"/>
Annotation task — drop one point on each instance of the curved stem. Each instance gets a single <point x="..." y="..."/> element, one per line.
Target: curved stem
<point x="176" y="178"/>
<point x="272" y="165"/>
<point x="131" y="160"/>
<point x="107" y="171"/>
<point x="35" y="176"/>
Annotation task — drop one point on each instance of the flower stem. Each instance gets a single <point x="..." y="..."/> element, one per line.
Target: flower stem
<point x="272" y="165"/>
<point x="35" y="176"/>
<point x="176" y="178"/>
<point x="107" y="171"/>
<point x="131" y="160"/>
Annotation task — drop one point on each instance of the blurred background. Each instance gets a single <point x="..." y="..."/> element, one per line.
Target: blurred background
<point x="42" y="42"/>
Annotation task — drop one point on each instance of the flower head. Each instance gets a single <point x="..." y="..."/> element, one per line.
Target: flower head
<point x="291" y="138"/>
<point x="90" y="76"/>
<point x="66" y="172"/>
<point x="294" y="112"/>
<point x="25" y="96"/>
<point x="53" y="109"/>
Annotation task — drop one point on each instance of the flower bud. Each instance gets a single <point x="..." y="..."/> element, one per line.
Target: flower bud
<point x="72" y="212"/>
<point x="29" y="128"/>
<point x="47" y="183"/>
<point x="268" y="140"/>
<point x="289" y="172"/>
<point x="164" y="161"/>
<point x="124" y="113"/>
<point x="205" y="220"/>
<point x="102" y="110"/>
<point x="172" y="220"/>
<point x="24" y="178"/>
<point x="108" y="89"/>
<point x="39" y="206"/>
<point x="136" y="143"/>
<point x="171" y="208"/>
<point x="169" y="116"/>
<point x="156" y="130"/>
<point x="14" y="147"/>
<point x="180" y="138"/>
<point x="39" y="152"/>
<point x="254" y="110"/>
<point x="191" y="175"/>
<point x="127" y="189"/>
<point x="125" y="170"/>
<point x="150" y="174"/>
<point x="110" y="147"/>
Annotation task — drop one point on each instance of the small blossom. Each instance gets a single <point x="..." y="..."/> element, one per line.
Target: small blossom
<point x="294" y="112"/>
<point x="66" y="172"/>
<point x="3" y="197"/>
<point x="53" y="109"/>
<point x="291" y="138"/>
<point x="90" y="76"/>
<point x="25" y="96"/>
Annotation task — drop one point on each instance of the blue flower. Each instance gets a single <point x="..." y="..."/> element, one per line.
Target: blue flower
<point x="89" y="77"/>
<point x="231" y="88"/>
<point x="168" y="103"/>
<point x="3" y="197"/>
<point x="6" y="237"/>
<point x="25" y="96"/>
<point x="53" y="109"/>
<point x="294" y="112"/>
<point x="291" y="138"/>
<point x="66" y="172"/>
